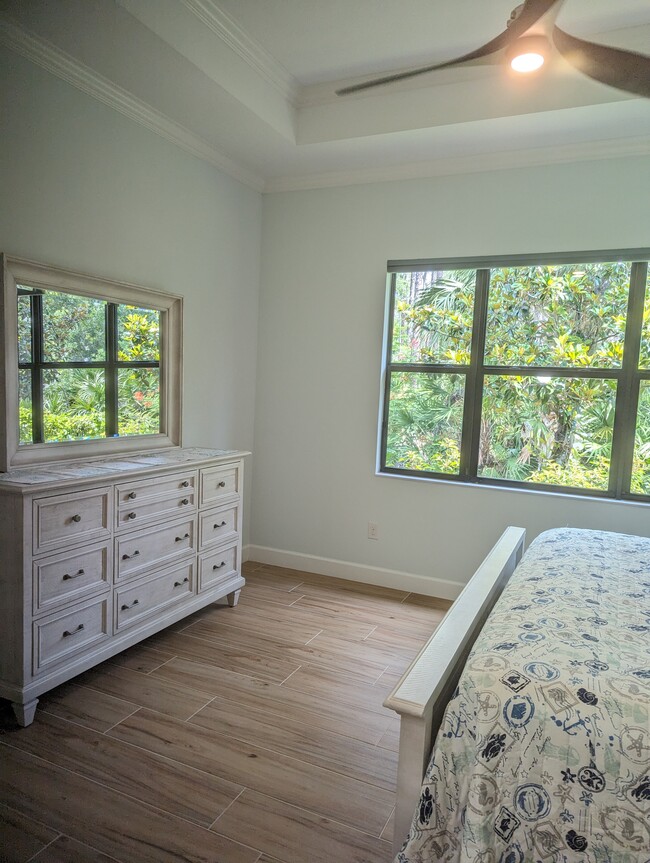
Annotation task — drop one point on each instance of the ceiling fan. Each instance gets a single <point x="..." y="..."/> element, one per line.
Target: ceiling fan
<point x="625" y="70"/>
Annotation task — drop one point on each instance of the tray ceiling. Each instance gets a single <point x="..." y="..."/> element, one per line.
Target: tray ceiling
<point x="249" y="84"/>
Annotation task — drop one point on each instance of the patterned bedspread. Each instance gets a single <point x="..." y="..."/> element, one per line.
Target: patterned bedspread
<point x="544" y="752"/>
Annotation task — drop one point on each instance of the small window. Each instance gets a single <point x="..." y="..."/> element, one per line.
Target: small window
<point x="529" y="372"/>
<point x="91" y="366"/>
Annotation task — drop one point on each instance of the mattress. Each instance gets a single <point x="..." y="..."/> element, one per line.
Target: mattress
<point x="544" y="751"/>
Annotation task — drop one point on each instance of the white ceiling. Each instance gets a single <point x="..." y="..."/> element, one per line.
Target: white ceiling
<point x="334" y="39"/>
<point x="249" y="84"/>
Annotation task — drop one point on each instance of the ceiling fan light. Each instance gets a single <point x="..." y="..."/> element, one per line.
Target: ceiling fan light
<point x="529" y="62"/>
<point x="527" y="54"/>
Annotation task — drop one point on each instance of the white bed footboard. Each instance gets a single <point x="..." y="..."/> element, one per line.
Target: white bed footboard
<point x="425" y="688"/>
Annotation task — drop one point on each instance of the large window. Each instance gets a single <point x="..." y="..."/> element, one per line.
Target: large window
<point x="530" y="372"/>
<point x="89" y="366"/>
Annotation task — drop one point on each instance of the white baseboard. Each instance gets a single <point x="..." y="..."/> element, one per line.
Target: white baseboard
<point x="426" y="585"/>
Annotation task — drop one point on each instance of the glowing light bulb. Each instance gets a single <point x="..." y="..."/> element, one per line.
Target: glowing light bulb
<point x="528" y="53"/>
<point x="529" y="62"/>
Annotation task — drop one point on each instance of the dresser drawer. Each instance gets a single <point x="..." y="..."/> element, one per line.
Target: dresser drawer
<point x="59" y="636"/>
<point x="160" y="486"/>
<point x="219" y="526"/>
<point x="218" y="483"/>
<point x="218" y="566"/>
<point x="65" y="578"/>
<point x="144" y="512"/>
<point x="154" y="546"/>
<point x="69" y="519"/>
<point x="152" y="594"/>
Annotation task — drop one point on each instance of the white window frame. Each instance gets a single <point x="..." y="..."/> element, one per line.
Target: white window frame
<point x="17" y="271"/>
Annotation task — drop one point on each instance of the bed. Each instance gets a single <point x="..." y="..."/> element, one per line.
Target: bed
<point x="541" y="710"/>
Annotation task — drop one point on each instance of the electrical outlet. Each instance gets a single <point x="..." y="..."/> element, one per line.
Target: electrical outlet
<point x="373" y="530"/>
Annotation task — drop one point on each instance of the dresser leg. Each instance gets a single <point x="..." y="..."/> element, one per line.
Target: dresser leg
<point x="24" y="713"/>
<point x="233" y="598"/>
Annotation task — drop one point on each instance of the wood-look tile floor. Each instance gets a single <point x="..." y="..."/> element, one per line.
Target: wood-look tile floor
<point x="253" y="734"/>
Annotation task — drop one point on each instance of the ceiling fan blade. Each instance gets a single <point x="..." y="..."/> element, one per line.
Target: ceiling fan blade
<point x="531" y="12"/>
<point x="625" y="70"/>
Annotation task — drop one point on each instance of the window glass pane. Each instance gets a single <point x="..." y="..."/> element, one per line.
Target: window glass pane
<point x="138" y="334"/>
<point x="547" y="430"/>
<point x="425" y="419"/>
<point x="73" y="404"/>
<point x="641" y="465"/>
<point x="24" y="329"/>
<point x="139" y="401"/>
<point x="571" y="315"/>
<point x="74" y="328"/>
<point x="644" y="358"/>
<point x="432" y="321"/>
<point x="25" y="405"/>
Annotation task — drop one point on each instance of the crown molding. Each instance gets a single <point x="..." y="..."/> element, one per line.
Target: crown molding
<point x="64" y="66"/>
<point x="482" y="162"/>
<point x="254" y="54"/>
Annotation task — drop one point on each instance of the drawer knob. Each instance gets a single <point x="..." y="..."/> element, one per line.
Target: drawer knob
<point x="180" y="583"/>
<point x="131" y="495"/>
<point x="131" y="515"/>
<point x="184" y="484"/>
<point x="68" y="632"/>
<point x="67" y="576"/>
<point x="221" y="484"/>
<point x="185" y="501"/>
<point x="126" y="607"/>
<point x="181" y="538"/>
<point x="76" y="518"/>
<point x="217" y="526"/>
<point x="129" y="556"/>
<point x="219" y="565"/>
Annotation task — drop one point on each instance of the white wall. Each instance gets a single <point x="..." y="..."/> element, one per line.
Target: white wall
<point x="85" y="188"/>
<point x="321" y="319"/>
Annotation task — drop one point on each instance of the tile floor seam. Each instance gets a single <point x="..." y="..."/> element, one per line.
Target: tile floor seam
<point x="106" y="730"/>
<point x="319" y="815"/>
<point x="276" y="752"/>
<point x="227" y="808"/>
<point x="161" y="665"/>
<point x="110" y="788"/>
<point x="40" y="850"/>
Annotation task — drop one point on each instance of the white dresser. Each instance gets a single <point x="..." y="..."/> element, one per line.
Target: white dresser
<point x="96" y="555"/>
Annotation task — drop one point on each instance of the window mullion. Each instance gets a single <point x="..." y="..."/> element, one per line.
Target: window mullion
<point x="36" y="305"/>
<point x="111" y="370"/>
<point x="627" y="395"/>
<point x="471" y="438"/>
<point x="387" y="372"/>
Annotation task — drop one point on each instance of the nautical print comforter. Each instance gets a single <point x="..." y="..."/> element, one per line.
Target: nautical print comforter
<point x="544" y="752"/>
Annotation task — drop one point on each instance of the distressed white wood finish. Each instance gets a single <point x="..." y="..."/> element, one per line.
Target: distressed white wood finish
<point x="218" y="526"/>
<point x="69" y="597"/>
<point x="67" y="519"/>
<point x="149" y="595"/>
<point x="218" y="565"/>
<point x="233" y="598"/>
<point x="219" y="483"/>
<point x="65" y="577"/>
<point x="424" y="689"/>
<point x="68" y="632"/>
<point x="159" y="546"/>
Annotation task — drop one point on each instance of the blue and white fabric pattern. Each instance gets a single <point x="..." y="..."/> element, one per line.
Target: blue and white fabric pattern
<point x="544" y="751"/>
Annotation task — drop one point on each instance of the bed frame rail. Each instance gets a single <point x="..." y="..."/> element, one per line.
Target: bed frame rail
<point x="426" y="686"/>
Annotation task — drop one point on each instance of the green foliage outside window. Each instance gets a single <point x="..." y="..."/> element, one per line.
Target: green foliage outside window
<point x="74" y="405"/>
<point x="537" y="427"/>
